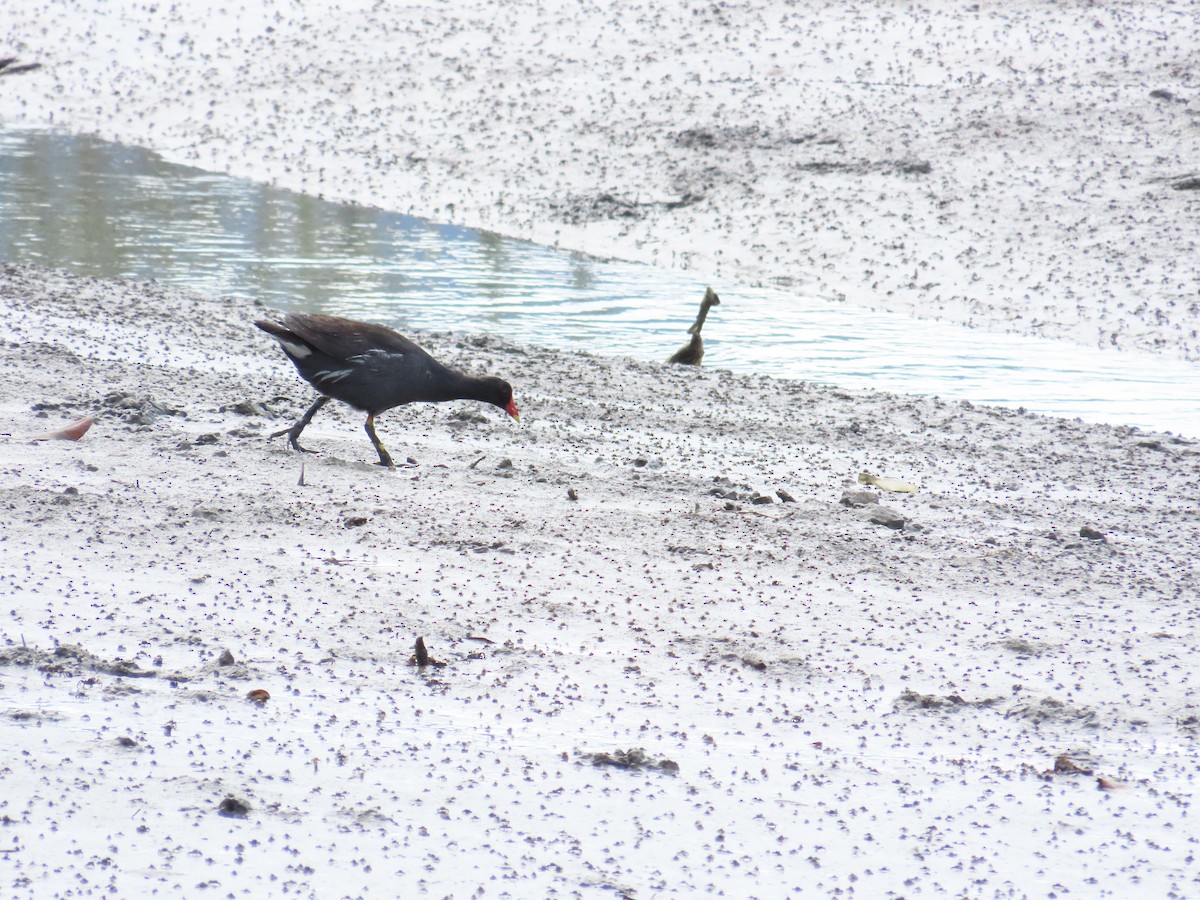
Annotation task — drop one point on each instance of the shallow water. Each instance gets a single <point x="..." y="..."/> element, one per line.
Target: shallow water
<point x="107" y="210"/>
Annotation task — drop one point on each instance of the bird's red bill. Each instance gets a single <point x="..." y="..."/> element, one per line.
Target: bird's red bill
<point x="511" y="409"/>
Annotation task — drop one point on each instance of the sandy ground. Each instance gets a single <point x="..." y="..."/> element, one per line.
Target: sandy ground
<point x="988" y="688"/>
<point x="853" y="707"/>
<point x="1021" y="165"/>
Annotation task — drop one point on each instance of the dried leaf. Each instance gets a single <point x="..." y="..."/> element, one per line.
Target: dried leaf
<point x="72" y="432"/>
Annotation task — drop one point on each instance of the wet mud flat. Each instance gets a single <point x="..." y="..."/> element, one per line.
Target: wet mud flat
<point x="670" y="641"/>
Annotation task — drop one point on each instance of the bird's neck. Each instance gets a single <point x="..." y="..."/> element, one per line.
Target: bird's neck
<point x="699" y="323"/>
<point x="457" y="386"/>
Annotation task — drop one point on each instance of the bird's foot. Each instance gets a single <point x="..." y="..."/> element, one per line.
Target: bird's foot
<point x="385" y="460"/>
<point x="292" y="439"/>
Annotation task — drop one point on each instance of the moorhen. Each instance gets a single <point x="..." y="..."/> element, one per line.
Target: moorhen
<point x="692" y="352"/>
<point x="374" y="369"/>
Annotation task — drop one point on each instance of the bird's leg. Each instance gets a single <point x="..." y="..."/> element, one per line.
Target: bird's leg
<point x="293" y="433"/>
<point x="384" y="458"/>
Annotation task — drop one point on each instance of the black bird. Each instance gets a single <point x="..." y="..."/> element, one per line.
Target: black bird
<point x="374" y="369"/>
<point x="692" y="352"/>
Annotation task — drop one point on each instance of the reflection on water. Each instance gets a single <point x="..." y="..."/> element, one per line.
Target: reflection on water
<point x="107" y="210"/>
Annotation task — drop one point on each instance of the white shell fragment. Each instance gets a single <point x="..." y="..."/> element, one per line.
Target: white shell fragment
<point x="895" y="485"/>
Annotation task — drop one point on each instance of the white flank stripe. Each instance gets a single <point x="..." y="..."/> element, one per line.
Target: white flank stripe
<point x="293" y="349"/>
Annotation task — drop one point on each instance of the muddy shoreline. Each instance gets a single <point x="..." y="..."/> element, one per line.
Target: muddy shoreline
<point x="1035" y="603"/>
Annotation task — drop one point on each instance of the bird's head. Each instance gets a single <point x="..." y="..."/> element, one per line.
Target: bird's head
<point x="499" y="392"/>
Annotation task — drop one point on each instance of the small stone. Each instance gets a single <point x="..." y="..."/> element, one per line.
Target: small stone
<point x="856" y="498"/>
<point x="1064" y="765"/>
<point x="633" y="758"/>
<point x="233" y="807"/>
<point x="248" y="408"/>
<point x="883" y="515"/>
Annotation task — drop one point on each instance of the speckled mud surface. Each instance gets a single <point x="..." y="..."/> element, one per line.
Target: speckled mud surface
<point x="675" y="684"/>
<point x="683" y="652"/>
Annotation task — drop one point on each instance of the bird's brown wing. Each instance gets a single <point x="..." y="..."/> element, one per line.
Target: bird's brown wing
<point x="340" y="339"/>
